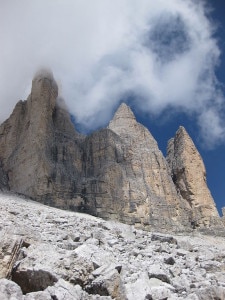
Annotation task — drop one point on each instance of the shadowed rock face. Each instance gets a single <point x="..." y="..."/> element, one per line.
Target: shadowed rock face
<point x="115" y="173"/>
<point x="3" y="179"/>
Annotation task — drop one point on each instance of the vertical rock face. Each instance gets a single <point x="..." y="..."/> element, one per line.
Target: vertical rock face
<point x="149" y="194"/>
<point x="38" y="150"/>
<point x="23" y="137"/>
<point x="189" y="175"/>
<point x="126" y="176"/>
<point x="115" y="173"/>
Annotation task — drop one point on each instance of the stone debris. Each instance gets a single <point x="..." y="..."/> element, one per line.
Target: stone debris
<point x="48" y="253"/>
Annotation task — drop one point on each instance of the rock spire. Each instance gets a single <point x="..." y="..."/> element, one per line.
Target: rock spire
<point x="189" y="176"/>
<point x="38" y="151"/>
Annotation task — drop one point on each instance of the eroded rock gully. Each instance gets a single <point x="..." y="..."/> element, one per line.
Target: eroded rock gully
<point x="68" y="255"/>
<point x="116" y="173"/>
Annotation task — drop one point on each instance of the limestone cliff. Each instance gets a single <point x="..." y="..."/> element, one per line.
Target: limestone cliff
<point x="148" y="193"/>
<point x="189" y="175"/>
<point x="115" y="173"/>
<point x="38" y="149"/>
<point x="126" y="177"/>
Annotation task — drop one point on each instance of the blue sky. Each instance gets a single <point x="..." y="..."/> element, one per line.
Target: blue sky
<point x="215" y="159"/>
<point x="166" y="58"/>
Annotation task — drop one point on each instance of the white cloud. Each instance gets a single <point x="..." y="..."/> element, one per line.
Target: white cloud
<point x="212" y="128"/>
<point x="103" y="51"/>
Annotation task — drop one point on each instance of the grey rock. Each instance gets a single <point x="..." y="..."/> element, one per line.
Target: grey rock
<point x="32" y="280"/>
<point x="140" y="289"/>
<point x="64" y="290"/>
<point x="10" y="290"/>
<point x="156" y="271"/>
<point x="161" y="293"/>
<point x="163" y="238"/>
<point x="170" y="260"/>
<point x="189" y="175"/>
<point x="44" y="295"/>
<point x="182" y="252"/>
<point x="211" y="266"/>
<point x="94" y="254"/>
<point x="211" y="293"/>
<point x="107" y="282"/>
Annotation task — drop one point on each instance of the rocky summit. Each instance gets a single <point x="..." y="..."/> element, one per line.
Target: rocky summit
<point x="117" y="173"/>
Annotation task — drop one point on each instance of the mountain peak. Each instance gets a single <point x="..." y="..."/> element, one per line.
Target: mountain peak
<point x="44" y="80"/>
<point x="184" y="140"/>
<point x="124" y="112"/>
<point x="182" y="131"/>
<point x="189" y="175"/>
<point x="43" y="73"/>
<point x="123" y="119"/>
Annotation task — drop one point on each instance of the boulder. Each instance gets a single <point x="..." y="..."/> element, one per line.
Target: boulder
<point x="9" y="290"/>
<point x="107" y="282"/>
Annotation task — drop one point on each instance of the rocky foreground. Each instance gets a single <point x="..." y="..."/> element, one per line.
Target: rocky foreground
<point x="47" y="253"/>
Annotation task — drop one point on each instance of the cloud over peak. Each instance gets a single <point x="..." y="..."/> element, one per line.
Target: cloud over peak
<point x="102" y="52"/>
